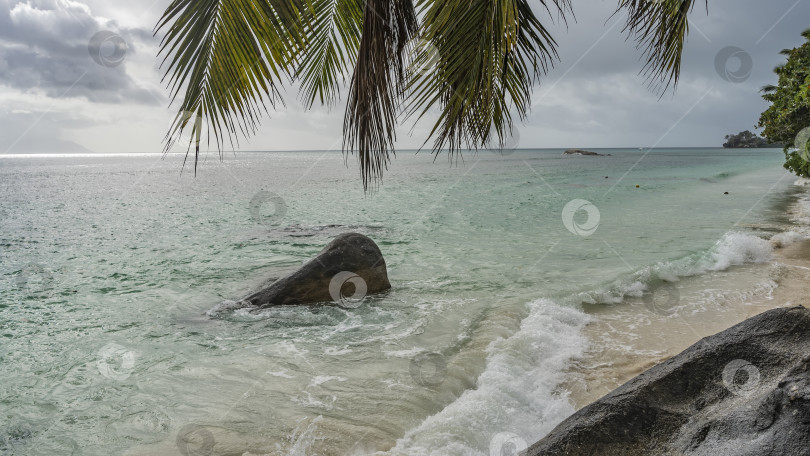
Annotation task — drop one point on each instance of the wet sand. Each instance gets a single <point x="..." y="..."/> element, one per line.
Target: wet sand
<point x="630" y="337"/>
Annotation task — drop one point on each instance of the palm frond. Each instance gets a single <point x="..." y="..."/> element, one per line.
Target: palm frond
<point x="229" y="56"/>
<point x="377" y="84"/>
<point x="332" y="35"/>
<point x="489" y="53"/>
<point x="660" y="28"/>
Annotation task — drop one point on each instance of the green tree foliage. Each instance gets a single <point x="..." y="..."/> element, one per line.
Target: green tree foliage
<point x="787" y="120"/>
<point x="227" y="60"/>
<point x="745" y="139"/>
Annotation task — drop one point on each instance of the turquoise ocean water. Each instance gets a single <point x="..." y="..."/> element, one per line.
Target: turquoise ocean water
<point x="118" y="332"/>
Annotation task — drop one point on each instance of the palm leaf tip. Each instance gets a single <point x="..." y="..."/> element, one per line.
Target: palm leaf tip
<point x="182" y="123"/>
<point x="490" y="54"/>
<point x="331" y="30"/>
<point x="660" y="29"/>
<point x="377" y="85"/>
<point x="228" y="56"/>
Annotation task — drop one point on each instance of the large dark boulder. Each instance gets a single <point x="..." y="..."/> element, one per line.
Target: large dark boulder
<point x="742" y="392"/>
<point x="345" y="271"/>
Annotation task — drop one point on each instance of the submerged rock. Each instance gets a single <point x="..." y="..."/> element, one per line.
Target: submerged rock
<point x="345" y="271"/>
<point x="14" y="437"/>
<point x="583" y="152"/>
<point x="742" y="392"/>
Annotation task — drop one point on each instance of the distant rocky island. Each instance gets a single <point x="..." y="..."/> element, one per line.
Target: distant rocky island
<point x="747" y="140"/>
<point x="583" y="152"/>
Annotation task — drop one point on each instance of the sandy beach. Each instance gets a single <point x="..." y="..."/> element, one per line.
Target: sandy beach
<point x="628" y="338"/>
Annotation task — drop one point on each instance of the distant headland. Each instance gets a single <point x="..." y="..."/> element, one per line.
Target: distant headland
<point x="747" y="140"/>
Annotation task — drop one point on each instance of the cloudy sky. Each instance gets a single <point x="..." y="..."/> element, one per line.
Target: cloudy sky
<point x="55" y="98"/>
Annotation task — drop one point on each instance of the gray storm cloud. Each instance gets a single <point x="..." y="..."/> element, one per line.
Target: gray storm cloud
<point x="594" y="97"/>
<point x="45" y="48"/>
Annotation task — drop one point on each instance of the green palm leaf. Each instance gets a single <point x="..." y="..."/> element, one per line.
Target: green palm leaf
<point x="229" y="59"/>
<point x="332" y="37"/>
<point x="659" y="27"/>
<point x="377" y="85"/>
<point x="489" y="54"/>
<point x="229" y="56"/>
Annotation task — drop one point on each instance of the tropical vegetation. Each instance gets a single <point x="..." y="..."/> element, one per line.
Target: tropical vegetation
<point x="474" y="62"/>
<point x="787" y="120"/>
<point x="746" y="139"/>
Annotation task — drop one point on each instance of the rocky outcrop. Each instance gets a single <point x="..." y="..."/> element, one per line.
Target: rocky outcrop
<point x="584" y="152"/>
<point x="742" y="392"/>
<point x="345" y="271"/>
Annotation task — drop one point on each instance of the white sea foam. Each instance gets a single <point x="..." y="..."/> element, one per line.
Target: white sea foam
<point x="733" y="249"/>
<point x="786" y="238"/>
<point x="406" y="353"/>
<point x="335" y="351"/>
<point x="320" y="379"/>
<point x="303" y="437"/>
<point x="801" y="211"/>
<point x="516" y="393"/>
<point x="282" y="373"/>
<point x="226" y="307"/>
<point x="307" y="400"/>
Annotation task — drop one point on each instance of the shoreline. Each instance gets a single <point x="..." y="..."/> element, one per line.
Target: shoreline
<point x="742" y="391"/>
<point x="590" y="377"/>
<point x="628" y="338"/>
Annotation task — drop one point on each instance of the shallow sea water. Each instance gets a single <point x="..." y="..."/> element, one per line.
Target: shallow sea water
<point x="118" y="334"/>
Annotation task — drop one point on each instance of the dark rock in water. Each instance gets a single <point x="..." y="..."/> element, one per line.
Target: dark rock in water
<point x="584" y="152"/>
<point x="345" y="271"/>
<point x="742" y="392"/>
